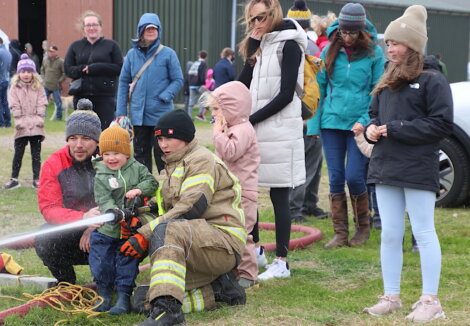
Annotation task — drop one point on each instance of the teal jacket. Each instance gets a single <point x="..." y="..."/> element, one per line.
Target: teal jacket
<point x="345" y="96"/>
<point x="112" y="185"/>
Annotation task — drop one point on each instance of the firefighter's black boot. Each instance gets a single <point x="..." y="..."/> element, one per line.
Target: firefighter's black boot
<point x="226" y="289"/>
<point x="166" y="311"/>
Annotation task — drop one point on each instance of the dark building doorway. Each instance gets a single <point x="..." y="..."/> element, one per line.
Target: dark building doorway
<point x="32" y="24"/>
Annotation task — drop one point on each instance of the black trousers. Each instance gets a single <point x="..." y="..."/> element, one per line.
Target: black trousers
<point x="20" y="145"/>
<point x="144" y="141"/>
<point x="104" y="107"/>
<point x="59" y="252"/>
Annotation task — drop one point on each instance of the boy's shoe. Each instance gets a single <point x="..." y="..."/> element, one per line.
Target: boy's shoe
<point x="278" y="269"/>
<point x="165" y="311"/>
<point x="36" y="184"/>
<point x="385" y="306"/>
<point x="12" y="184"/>
<point x="426" y="309"/>
<point x="261" y="257"/>
<point x="227" y="290"/>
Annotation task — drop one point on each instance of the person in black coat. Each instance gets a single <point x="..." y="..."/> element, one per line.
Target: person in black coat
<point x="97" y="61"/>
<point x="411" y="112"/>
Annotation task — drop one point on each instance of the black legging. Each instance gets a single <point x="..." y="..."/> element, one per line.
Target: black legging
<point x="280" y="201"/>
<point x="144" y="141"/>
<point x="20" y="145"/>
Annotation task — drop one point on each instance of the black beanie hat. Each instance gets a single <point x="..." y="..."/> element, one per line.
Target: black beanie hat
<point x="176" y="124"/>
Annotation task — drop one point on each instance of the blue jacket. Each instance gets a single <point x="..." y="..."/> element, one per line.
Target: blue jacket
<point x="345" y="96"/>
<point x="161" y="81"/>
<point x="224" y="72"/>
<point x="5" y="61"/>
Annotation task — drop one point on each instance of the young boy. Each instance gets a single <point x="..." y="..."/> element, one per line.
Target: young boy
<point x="119" y="178"/>
<point x="235" y="143"/>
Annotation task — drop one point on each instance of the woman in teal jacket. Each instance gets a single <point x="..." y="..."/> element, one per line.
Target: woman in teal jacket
<point x="153" y="93"/>
<point x="354" y="64"/>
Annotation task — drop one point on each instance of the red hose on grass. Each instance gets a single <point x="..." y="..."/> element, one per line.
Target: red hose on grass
<point x="311" y="235"/>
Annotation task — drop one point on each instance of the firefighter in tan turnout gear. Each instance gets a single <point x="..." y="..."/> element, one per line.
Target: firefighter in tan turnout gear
<point x="199" y="236"/>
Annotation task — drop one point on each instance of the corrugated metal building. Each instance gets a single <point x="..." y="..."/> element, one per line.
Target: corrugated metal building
<point x="192" y="25"/>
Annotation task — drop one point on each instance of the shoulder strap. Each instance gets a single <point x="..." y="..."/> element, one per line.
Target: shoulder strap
<point x="147" y="63"/>
<point x="139" y="74"/>
<point x="299" y="89"/>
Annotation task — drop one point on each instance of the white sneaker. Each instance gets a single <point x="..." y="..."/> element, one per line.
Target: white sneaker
<point x="261" y="257"/>
<point x="278" y="269"/>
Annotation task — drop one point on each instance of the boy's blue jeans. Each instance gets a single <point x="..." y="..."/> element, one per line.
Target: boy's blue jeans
<point x="109" y="267"/>
<point x="344" y="160"/>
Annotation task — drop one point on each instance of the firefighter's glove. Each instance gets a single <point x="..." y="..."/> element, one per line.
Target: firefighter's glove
<point x="135" y="247"/>
<point x="120" y="214"/>
<point x="126" y="232"/>
<point x="134" y="224"/>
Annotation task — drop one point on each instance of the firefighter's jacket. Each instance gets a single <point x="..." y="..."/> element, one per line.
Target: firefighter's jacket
<point x="197" y="184"/>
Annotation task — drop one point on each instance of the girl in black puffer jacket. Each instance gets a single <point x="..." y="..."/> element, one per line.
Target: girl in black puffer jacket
<point x="411" y="112"/>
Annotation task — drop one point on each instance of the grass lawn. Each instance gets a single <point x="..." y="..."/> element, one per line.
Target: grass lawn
<point x="327" y="287"/>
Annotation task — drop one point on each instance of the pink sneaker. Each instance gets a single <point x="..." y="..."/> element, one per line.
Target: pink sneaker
<point x="386" y="305"/>
<point x="426" y="310"/>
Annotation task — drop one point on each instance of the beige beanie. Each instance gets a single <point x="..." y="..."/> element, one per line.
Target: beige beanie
<point x="409" y="29"/>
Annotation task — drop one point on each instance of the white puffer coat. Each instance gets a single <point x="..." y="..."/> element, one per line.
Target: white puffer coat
<point x="280" y="136"/>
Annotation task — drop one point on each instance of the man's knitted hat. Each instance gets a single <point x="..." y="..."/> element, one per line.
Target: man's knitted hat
<point x="409" y="29"/>
<point x="352" y="17"/>
<point x="115" y="139"/>
<point x="25" y="64"/>
<point x="176" y="124"/>
<point x="83" y="122"/>
<point x="300" y="13"/>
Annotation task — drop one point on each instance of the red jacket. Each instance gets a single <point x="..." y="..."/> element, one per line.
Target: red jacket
<point x="66" y="190"/>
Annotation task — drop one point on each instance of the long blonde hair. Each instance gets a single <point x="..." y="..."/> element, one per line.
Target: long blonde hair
<point x="397" y="75"/>
<point x="36" y="81"/>
<point x="274" y="10"/>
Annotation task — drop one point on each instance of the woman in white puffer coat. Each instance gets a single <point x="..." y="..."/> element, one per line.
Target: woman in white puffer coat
<point x="276" y="111"/>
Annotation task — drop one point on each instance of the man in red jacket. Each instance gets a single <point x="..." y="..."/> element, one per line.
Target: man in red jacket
<point x="66" y="194"/>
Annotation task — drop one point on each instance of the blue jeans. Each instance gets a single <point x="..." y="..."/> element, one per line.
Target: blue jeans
<point x="109" y="267"/>
<point x="344" y="160"/>
<point x="57" y="101"/>
<point x="5" y="117"/>
<point x="420" y="206"/>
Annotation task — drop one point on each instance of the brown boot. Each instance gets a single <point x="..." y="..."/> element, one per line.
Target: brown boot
<point x="360" y="207"/>
<point x="339" y="215"/>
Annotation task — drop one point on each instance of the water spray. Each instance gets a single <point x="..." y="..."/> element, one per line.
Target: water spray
<point x="59" y="228"/>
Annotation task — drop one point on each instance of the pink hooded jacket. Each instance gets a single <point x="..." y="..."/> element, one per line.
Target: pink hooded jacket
<point x="237" y="145"/>
<point x="28" y="107"/>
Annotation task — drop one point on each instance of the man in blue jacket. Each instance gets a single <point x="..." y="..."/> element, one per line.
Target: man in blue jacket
<point x="224" y="71"/>
<point x="154" y="92"/>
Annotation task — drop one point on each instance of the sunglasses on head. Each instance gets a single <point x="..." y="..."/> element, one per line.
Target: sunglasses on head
<point x="259" y="18"/>
<point x="344" y="33"/>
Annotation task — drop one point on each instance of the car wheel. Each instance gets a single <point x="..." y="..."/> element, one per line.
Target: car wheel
<point x="453" y="174"/>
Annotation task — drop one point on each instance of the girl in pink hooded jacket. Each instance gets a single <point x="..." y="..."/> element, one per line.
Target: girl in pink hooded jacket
<point x="27" y="102"/>
<point x="235" y="143"/>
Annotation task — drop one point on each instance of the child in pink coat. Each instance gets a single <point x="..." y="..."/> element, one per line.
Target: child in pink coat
<point x="27" y="101"/>
<point x="235" y="143"/>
